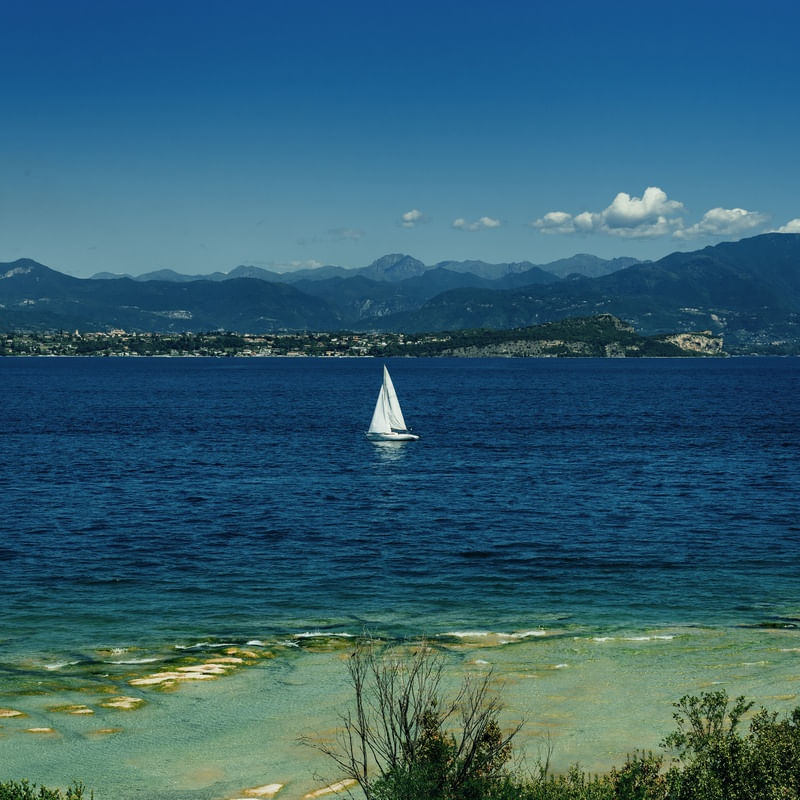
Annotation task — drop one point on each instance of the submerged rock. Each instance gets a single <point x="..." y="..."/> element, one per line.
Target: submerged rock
<point x="72" y="708"/>
<point x="333" y="788"/>
<point x="268" y="790"/>
<point x="123" y="703"/>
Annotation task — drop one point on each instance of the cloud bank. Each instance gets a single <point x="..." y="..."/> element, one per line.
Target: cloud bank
<point x="653" y="214"/>
<point x="792" y="226"/>
<point x="723" y="222"/>
<point x="480" y="224"/>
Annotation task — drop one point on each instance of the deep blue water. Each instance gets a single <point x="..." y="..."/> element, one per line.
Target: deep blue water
<point x="153" y="501"/>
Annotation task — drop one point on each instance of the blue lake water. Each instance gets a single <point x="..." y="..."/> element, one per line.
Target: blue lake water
<point x="153" y="505"/>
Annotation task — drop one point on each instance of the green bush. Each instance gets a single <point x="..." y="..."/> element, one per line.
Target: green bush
<point x="23" y="790"/>
<point x="402" y="741"/>
<point x="641" y="778"/>
<point x="716" y="762"/>
<point x="440" y="770"/>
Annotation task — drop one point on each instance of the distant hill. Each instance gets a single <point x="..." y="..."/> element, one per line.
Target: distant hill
<point x="34" y="297"/>
<point x="484" y="270"/>
<point x="397" y="267"/>
<point x="580" y="264"/>
<point x="179" y="277"/>
<point x="251" y="272"/>
<point x="602" y="336"/>
<point x="171" y="275"/>
<point x="587" y="266"/>
<point x="746" y="291"/>
<point x="112" y="276"/>
<point x="362" y="298"/>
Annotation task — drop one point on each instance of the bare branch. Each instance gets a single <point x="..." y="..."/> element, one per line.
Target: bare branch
<point x="399" y="721"/>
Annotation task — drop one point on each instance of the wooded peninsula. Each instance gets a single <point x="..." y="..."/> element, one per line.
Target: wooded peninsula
<point x="603" y="336"/>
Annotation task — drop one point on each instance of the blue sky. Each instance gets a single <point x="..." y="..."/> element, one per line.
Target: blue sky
<point x="202" y="135"/>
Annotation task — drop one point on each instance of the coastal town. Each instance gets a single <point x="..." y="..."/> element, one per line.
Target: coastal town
<point x="215" y="344"/>
<point x="602" y="336"/>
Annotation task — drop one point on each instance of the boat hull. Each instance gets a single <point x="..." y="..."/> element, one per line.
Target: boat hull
<point x="392" y="437"/>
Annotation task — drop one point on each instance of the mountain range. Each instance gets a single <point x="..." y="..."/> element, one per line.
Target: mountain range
<point x="747" y="291"/>
<point x="397" y="267"/>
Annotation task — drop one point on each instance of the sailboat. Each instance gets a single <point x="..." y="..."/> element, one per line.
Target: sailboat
<point x="387" y="423"/>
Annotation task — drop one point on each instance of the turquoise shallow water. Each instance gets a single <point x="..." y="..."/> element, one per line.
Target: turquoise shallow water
<point x="607" y="535"/>
<point x="592" y="701"/>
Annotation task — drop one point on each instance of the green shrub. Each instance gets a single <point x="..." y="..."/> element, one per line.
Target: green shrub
<point x="641" y="778"/>
<point x="573" y="785"/>
<point x="403" y="740"/>
<point x="716" y="762"/>
<point x="23" y="790"/>
<point x="439" y="769"/>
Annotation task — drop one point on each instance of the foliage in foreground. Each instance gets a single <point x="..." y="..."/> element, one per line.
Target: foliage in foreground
<point x="402" y="741"/>
<point x="23" y="790"/>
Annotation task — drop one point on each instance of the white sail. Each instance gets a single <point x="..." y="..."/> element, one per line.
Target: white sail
<point x="380" y="417"/>
<point x="394" y="414"/>
<point x="387" y="419"/>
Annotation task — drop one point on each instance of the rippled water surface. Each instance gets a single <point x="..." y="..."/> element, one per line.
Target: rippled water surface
<point x="151" y="505"/>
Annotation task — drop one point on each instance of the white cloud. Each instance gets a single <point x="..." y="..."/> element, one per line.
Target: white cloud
<point x="483" y="223"/>
<point x="585" y="222"/>
<point x="555" y="222"/>
<point x="792" y="226"/>
<point x="412" y="218"/>
<point x="723" y="222"/>
<point x="652" y="214"/>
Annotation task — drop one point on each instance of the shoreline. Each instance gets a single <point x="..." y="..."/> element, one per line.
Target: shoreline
<point x="602" y="336"/>
<point x="230" y="721"/>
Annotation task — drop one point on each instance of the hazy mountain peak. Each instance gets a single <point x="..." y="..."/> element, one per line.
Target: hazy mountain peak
<point x="246" y="271"/>
<point x="587" y="265"/>
<point x="165" y="275"/>
<point x="109" y="276"/>
<point x="389" y="260"/>
<point x="394" y="267"/>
